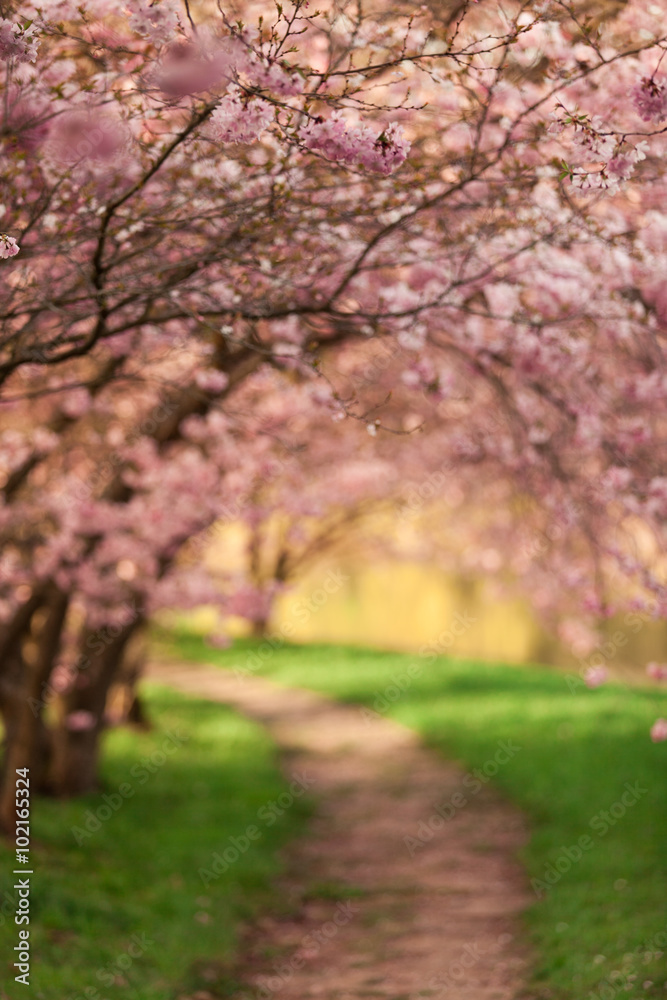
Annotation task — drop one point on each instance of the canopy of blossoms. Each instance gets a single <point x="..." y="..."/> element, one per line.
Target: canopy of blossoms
<point x="214" y="217"/>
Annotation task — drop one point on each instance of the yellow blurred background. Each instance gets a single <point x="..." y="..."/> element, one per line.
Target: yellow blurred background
<point x="409" y="605"/>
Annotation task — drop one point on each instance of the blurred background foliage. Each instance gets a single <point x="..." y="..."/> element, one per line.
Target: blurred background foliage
<point x="393" y="594"/>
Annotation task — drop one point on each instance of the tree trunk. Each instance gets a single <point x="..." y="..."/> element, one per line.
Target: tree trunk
<point x="137" y="715"/>
<point x="27" y="740"/>
<point x="129" y="707"/>
<point x="76" y="752"/>
<point x="75" y="761"/>
<point x="260" y="628"/>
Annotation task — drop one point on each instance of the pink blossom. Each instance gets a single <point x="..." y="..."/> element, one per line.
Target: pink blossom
<point x="44" y="440"/>
<point x="76" y="403"/>
<point x="387" y="153"/>
<point x="590" y="137"/>
<point x="8" y="246"/>
<point x="650" y="100"/>
<point x="622" y="165"/>
<point x="156" y="19"/>
<point x="595" y="676"/>
<point x="381" y="153"/>
<point x="18" y="42"/>
<point x="556" y="124"/>
<point x="251" y="602"/>
<point x="79" y="722"/>
<point x="236" y="121"/>
<point x="657" y="671"/>
<point x="594" y="180"/>
<point x="276" y="79"/>
<point x="659" y="731"/>
<point x="211" y="381"/>
<point x="617" y="478"/>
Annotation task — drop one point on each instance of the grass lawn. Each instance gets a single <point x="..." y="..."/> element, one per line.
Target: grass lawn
<point x="125" y="913"/>
<point x="586" y="769"/>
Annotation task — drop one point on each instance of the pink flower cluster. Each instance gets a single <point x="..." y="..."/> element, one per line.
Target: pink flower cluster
<point x="79" y="722"/>
<point x="591" y="139"/>
<point x="622" y="164"/>
<point x="237" y="121"/>
<point x="595" y="141"/>
<point x="380" y="154"/>
<point x="659" y="731"/>
<point x="650" y="100"/>
<point x="8" y="246"/>
<point x="76" y="403"/>
<point x="595" y="676"/>
<point x="657" y="671"/>
<point x="18" y="41"/>
<point x="244" y="61"/>
<point x="189" y="67"/>
<point x="618" y="168"/>
<point x="156" y="19"/>
<point x="211" y="381"/>
<point x="251" y="602"/>
<point x="275" y="78"/>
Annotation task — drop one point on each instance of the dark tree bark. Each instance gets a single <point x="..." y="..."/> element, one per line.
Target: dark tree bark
<point x="76" y="752"/>
<point x="24" y="676"/>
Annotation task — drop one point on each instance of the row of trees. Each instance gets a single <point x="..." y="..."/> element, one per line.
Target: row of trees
<point x="284" y="261"/>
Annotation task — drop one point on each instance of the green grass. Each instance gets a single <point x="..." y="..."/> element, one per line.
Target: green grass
<point x="138" y="874"/>
<point x="578" y="750"/>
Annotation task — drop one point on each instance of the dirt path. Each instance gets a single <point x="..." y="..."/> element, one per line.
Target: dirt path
<point x="369" y="913"/>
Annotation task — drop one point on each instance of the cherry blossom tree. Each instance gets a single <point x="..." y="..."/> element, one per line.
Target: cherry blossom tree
<point x="317" y="491"/>
<point x="213" y="211"/>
